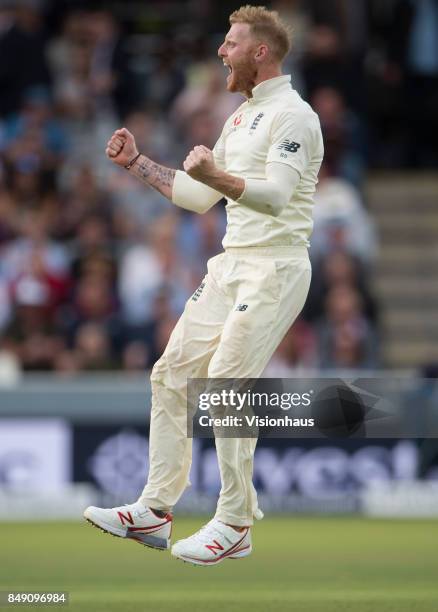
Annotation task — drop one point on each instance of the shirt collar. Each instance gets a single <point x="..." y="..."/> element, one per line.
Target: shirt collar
<point x="271" y="88"/>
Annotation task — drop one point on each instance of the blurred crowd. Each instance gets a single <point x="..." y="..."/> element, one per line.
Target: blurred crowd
<point x="94" y="267"/>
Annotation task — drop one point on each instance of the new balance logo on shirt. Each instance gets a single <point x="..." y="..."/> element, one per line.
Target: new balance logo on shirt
<point x="241" y="307"/>
<point x="289" y="145"/>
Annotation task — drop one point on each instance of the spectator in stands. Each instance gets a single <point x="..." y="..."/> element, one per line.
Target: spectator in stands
<point x="135" y="356"/>
<point x="10" y="365"/>
<point x="93" y="347"/>
<point x="336" y="47"/>
<point x="34" y="253"/>
<point x="112" y="80"/>
<point x="93" y="301"/>
<point x="91" y="66"/>
<point x="148" y="268"/>
<point x="81" y="199"/>
<point x="31" y="334"/>
<point x="5" y="304"/>
<point x="92" y="252"/>
<point x="340" y="220"/>
<point x="346" y="339"/>
<point x="84" y="96"/>
<point x="344" y="140"/>
<point x="204" y="96"/>
<point x="34" y="122"/>
<point x="335" y="269"/>
<point x="140" y="280"/>
<point x="164" y="75"/>
<point x="8" y="210"/>
<point x="296" y="352"/>
<point x="200" y="237"/>
<point x="295" y="14"/>
<point x="413" y="58"/>
<point x="22" y="52"/>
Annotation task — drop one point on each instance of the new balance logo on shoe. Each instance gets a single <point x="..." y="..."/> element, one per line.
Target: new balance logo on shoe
<point x="213" y="543"/>
<point x="125" y="518"/>
<point x="134" y="522"/>
<point x="214" y="547"/>
<point x="241" y="307"/>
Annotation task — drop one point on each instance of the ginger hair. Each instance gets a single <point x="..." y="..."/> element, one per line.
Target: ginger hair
<point x="267" y="26"/>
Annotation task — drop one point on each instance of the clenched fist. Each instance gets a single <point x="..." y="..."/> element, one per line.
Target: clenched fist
<point x="121" y="147"/>
<point x="199" y="163"/>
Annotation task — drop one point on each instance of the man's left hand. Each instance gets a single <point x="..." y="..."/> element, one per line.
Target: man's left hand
<point x="199" y="164"/>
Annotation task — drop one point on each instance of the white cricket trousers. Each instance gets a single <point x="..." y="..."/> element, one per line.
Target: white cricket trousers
<point x="230" y="328"/>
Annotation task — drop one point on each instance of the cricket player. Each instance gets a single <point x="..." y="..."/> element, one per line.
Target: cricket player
<point x="266" y="164"/>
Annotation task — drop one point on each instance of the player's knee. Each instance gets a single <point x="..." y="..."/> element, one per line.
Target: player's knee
<point x="168" y="373"/>
<point x="220" y="369"/>
<point x="158" y="373"/>
<point x="235" y="349"/>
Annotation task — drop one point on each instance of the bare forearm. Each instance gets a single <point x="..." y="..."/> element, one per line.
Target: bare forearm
<point x="151" y="173"/>
<point x="230" y="186"/>
<point x="200" y="165"/>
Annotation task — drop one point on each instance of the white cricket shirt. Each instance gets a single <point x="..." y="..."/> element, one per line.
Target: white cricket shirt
<point x="275" y="125"/>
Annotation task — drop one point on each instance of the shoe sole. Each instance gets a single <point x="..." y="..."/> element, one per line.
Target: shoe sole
<point x="245" y="552"/>
<point x="143" y="539"/>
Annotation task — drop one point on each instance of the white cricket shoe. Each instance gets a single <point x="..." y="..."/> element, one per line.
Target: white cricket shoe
<point x="135" y="522"/>
<point x="213" y="543"/>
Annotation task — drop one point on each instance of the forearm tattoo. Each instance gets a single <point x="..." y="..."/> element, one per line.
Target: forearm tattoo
<point x="155" y="175"/>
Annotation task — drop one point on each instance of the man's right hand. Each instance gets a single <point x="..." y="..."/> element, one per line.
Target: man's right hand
<point x="121" y="147"/>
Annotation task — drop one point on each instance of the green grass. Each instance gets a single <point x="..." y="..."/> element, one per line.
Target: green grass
<point x="298" y="564"/>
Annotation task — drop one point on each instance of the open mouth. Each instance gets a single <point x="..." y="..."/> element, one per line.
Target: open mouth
<point x="230" y="69"/>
